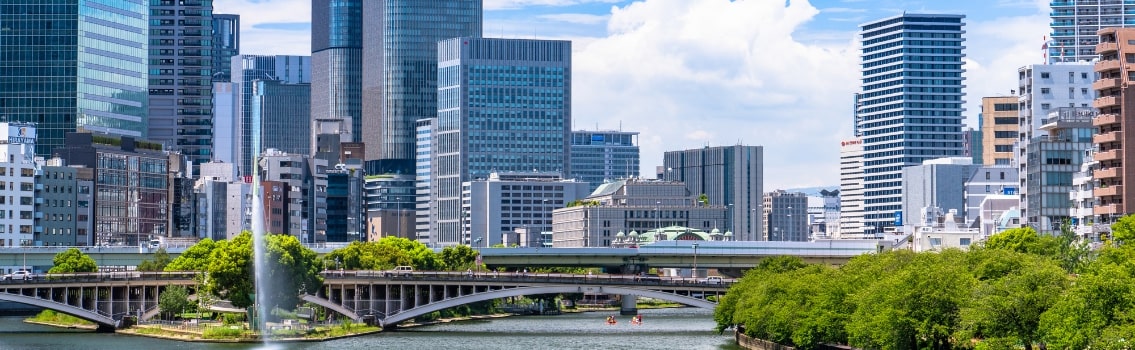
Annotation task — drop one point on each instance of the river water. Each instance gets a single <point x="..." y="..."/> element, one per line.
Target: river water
<point x="684" y="328"/>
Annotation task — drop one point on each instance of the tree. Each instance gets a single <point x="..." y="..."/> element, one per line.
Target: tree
<point x="703" y="199"/>
<point x="457" y="258"/>
<point x="174" y="300"/>
<point x="231" y="271"/>
<point x="384" y="254"/>
<point x="159" y="263"/>
<point x="194" y="258"/>
<point x="72" y="261"/>
<point x="1010" y="306"/>
<point x="1021" y="239"/>
<point x="294" y="271"/>
<point x="1123" y="230"/>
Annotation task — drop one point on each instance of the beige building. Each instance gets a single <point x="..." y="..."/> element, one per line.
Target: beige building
<point x="1116" y="104"/>
<point x="1000" y="126"/>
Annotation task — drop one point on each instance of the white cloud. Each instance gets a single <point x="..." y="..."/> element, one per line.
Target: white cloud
<point x="270" y="41"/>
<point x="576" y="18"/>
<point x="517" y="4"/>
<point x="995" y="49"/>
<point x="688" y="74"/>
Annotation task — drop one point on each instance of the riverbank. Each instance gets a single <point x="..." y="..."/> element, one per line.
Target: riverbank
<point x="89" y="327"/>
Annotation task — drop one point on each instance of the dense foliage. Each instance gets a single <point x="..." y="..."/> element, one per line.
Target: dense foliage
<point x="161" y="259"/>
<point x="1017" y="290"/>
<point x="385" y="254"/>
<point x="72" y="261"/>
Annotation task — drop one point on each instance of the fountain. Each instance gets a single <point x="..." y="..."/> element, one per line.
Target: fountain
<point x="259" y="251"/>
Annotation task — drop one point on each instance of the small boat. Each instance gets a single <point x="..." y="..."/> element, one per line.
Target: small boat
<point x="637" y="320"/>
<point x="611" y="320"/>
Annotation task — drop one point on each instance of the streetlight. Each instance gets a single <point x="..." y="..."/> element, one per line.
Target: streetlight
<point x="694" y="273"/>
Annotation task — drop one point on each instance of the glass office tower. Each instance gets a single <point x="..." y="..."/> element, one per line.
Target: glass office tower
<point x="400" y="40"/>
<point x="910" y="107"/>
<point x="226" y="44"/>
<point x="181" y="77"/>
<point x="68" y="65"/>
<point x="337" y="64"/>
<point x="504" y="105"/>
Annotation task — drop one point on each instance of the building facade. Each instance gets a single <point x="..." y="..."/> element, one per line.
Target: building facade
<point x="181" y="56"/>
<point x="1116" y="115"/>
<point x="281" y="117"/>
<point x="1053" y="159"/>
<point x="851" y="189"/>
<point x="989" y="181"/>
<point x="1000" y="128"/>
<point x="503" y="105"/>
<point x="295" y="195"/>
<point x="1074" y="25"/>
<point x="337" y="64"/>
<point x="390" y="206"/>
<point x="226" y="44"/>
<point x="64" y="205"/>
<point x="786" y="216"/>
<point x="400" y="48"/>
<point x="632" y="206"/>
<point x="17" y="186"/>
<point x="246" y="70"/>
<point x="923" y="120"/>
<point x="346" y="212"/>
<point x="88" y="72"/>
<point x="937" y="184"/>
<point x="517" y="203"/>
<point x="730" y="176"/>
<point x="603" y="156"/>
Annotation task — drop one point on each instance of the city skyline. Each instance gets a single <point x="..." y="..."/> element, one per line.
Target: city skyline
<point x="635" y="75"/>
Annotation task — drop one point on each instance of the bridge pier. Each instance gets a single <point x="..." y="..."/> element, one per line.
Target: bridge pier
<point x="630" y="305"/>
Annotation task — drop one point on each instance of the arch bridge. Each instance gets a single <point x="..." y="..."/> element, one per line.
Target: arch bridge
<point x="374" y="297"/>
<point x="103" y="298"/>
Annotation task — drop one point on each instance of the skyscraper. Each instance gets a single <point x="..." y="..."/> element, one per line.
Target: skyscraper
<point x="1074" y="25"/>
<point x="280" y="117"/>
<point x="226" y="44"/>
<point x="1115" y="192"/>
<point x="603" y="156"/>
<point x="65" y="72"/>
<point x="730" y="176"/>
<point x="181" y="72"/>
<point x="247" y="69"/>
<point x="504" y="105"/>
<point x="851" y="188"/>
<point x="337" y="64"/>
<point x="910" y="106"/>
<point x="400" y="48"/>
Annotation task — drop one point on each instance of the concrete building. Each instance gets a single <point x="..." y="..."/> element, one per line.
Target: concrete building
<point x="295" y="197"/>
<point x="786" y="216"/>
<point x="64" y="210"/>
<point x="223" y="202"/>
<point x="1052" y="160"/>
<point x="851" y="190"/>
<point x="988" y="181"/>
<point x="400" y="76"/>
<point x="390" y="206"/>
<point x="281" y="117"/>
<point x="1000" y="128"/>
<point x="337" y="64"/>
<point x="477" y="134"/>
<point x="91" y="75"/>
<point x="973" y="144"/>
<point x="181" y="52"/>
<point x="346" y="212"/>
<point x="1074" y="25"/>
<point x="921" y="122"/>
<point x="423" y="179"/>
<point x="996" y="213"/>
<point x="823" y="214"/>
<point x="632" y="206"/>
<point x="1116" y="115"/>
<point x="131" y="183"/>
<point x="937" y="183"/>
<point x="731" y="176"/>
<point x="1085" y="222"/>
<point x="226" y="122"/>
<point x="943" y="231"/>
<point x="248" y="68"/>
<point x="17" y="186"/>
<point x="602" y="156"/>
<point x="510" y="203"/>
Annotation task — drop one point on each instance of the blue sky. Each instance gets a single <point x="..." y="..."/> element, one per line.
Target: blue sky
<point x="691" y="73"/>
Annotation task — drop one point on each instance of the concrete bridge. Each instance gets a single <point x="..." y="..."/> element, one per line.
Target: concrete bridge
<point x="370" y="296"/>
<point x="102" y="298"/>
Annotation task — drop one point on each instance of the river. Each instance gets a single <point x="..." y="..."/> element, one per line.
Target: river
<point x="684" y="328"/>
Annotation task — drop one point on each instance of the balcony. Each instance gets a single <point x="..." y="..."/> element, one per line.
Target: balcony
<point x="1106" y="101"/>
<point x="1105" y="119"/>
<point x="1114" y="136"/>
<point x="1106" y="83"/>
<point x="1108" y="209"/>
<point x="1115" y="154"/>
<point x="1062" y="3"/>
<point x="1108" y="65"/>
<point x="1109" y="173"/>
<point x="1109" y="191"/>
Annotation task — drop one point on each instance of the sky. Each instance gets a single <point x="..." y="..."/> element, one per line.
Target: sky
<point x="692" y="73"/>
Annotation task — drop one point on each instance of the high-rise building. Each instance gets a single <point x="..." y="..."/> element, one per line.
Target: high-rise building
<point x="1000" y="127"/>
<point x="973" y="141"/>
<point x="64" y="212"/>
<point x="907" y="112"/>
<point x="65" y="72"/>
<point x="1115" y="193"/>
<point x="1074" y="25"/>
<point x="181" y="77"/>
<point x="786" y="216"/>
<point x="603" y="156"/>
<point x="281" y="117"/>
<point x="1053" y="159"/>
<point x="519" y="204"/>
<point x="248" y="68"/>
<point x="346" y="212"/>
<point x="400" y="48"/>
<point x="226" y="44"/>
<point x="851" y="189"/>
<point x="337" y="63"/>
<point x="226" y="119"/>
<point x="476" y="134"/>
<point x="423" y="180"/>
<point x="390" y="206"/>
<point x="730" y="176"/>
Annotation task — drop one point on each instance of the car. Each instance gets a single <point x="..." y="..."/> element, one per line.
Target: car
<point x="649" y="277"/>
<point x="713" y="280"/>
<point x="21" y="274"/>
<point x="404" y="271"/>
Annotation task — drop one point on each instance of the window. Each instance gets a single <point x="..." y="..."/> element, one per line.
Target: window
<point x="1083" y="75"/>
<point x="1044" y="75"/>
<point x="1003" y="148"/>
<point x="964" y="241"/>
<point x="934" y="242"/>
<point x="1045" y="91"/>
<point x="1045" y="105"/>
<point x="1004" y="134"/>
<point x="1071" y="77"/>
<point x="1005" y="120"/>
<point x="1071" y="93"/>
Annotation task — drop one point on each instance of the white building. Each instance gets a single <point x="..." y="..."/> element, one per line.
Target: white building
<point x="1084" y="220"/>
<point x="17" y="184"/>
<point x="850" y="190"/>
<point x="223" y="202"/>
<point x="509" y="203"/>
<point x="943" y="231"/>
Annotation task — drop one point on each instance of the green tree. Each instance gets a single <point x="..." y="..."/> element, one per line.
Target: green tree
<point x="294" y="271"/>
<point x="1010" y="306"/>
<point x="194" y="258"/>
<point x="383" y="254"/>
<point x="1021" y="239"/>
<point x="703" y="199"/>
<point x="73" y="261"/>
<point x="159" y="263"/>
<point x="457" y="258"/>
<point x="1099" y="300"/>
<point x="1123" y="230"/>
<point x="231" y="271"/>
<point x="173" y="301"/>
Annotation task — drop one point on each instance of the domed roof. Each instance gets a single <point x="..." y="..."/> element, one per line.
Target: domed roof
<point x="620" y="234"/>
<point x="715" y="231"/>
<point x="728" y="233"/>
<point x="633" y="234"/>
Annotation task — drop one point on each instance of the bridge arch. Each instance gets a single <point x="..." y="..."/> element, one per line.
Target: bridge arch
<point x="102" y="320"/>
<point x="330" y="305"/>
<point x="522" y="291"/>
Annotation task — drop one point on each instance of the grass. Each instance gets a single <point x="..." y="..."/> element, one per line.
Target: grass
<point x="223" y="332"/>
<point x="49" y="316"/>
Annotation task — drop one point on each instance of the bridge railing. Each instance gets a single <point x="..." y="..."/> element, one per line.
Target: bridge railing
<point x="527" y="277"/>
<point x="104" y="276"/>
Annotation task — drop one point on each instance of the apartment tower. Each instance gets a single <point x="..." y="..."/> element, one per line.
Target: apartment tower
<point x="1075" y="23"/>
<point x="999" y="130"/>
<point x="1116" y="104"/>
<point x="910" y="107"/>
